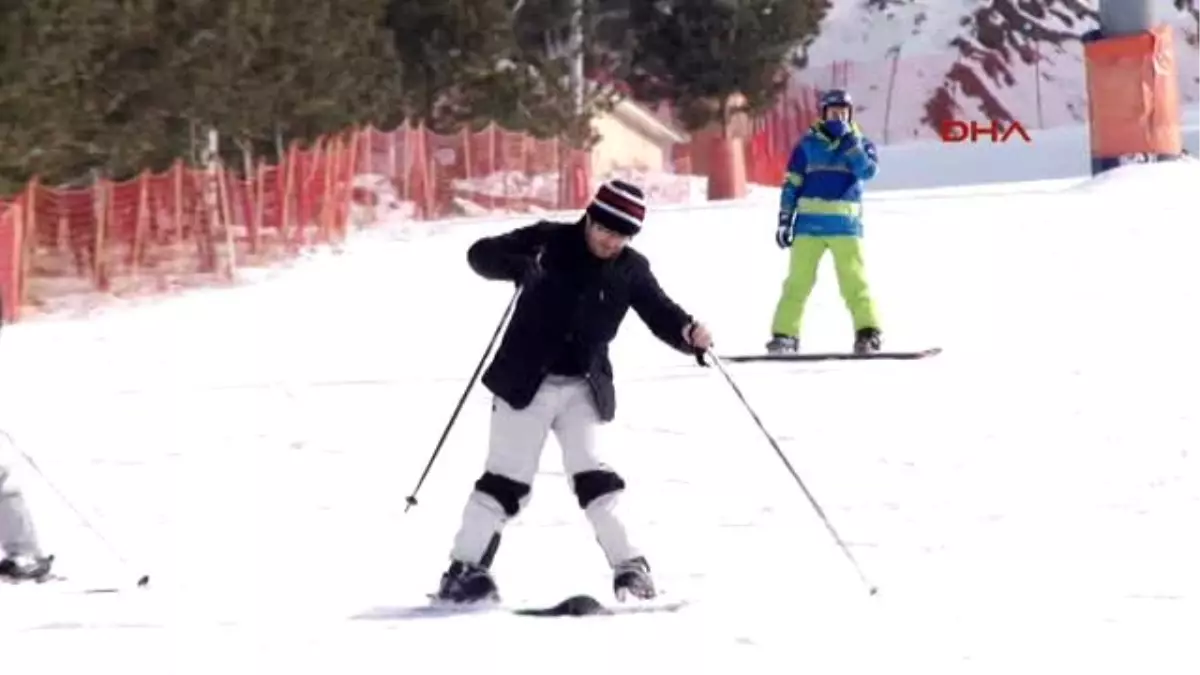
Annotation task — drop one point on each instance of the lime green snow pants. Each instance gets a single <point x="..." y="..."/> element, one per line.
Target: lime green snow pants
<point x="802" y="276"/>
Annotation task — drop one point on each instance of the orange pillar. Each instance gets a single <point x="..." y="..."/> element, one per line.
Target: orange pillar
<point x="726" y="168"/>
<point x="10" y="262"/>
<point x="1133" y="98"/>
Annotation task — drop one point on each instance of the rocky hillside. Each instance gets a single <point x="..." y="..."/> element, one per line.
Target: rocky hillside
<point x="913" y="62"/>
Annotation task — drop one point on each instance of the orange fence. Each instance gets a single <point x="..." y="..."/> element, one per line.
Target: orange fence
<point x="905" y="98"/>
<point x="191" y="225"/>
<point x="197" y="225"/>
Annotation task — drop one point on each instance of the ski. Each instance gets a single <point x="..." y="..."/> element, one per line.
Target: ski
<point x="64" y="583"/>
<point x="61" y="584"/>
<point x="574" y="606"/>
<point x="833" y="356"/>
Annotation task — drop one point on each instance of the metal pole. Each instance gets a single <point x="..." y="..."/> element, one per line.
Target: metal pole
<point x="576" y="51"/>
<point x="1125" y="17"/>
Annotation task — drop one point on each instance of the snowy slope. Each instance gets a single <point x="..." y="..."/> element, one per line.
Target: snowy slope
<point x="1058" y="153"/>
<point x="868" y="30"/>
<point x="913" y="61"/>
<point x="1029" y="497"/>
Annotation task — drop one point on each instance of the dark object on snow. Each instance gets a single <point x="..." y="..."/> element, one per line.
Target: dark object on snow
<point x="576" y="605"/>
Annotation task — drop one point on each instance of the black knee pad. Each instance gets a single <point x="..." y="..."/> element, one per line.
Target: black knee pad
<point x="504" y="490"/>
<point x="591" y="485"/>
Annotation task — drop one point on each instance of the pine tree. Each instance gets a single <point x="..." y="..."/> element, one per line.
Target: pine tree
<point x="80" y="91"/>
<point x="698" y="53"/>
<point x="448" y="50"/>
<point x="118" y="86"/>
<point x="266" y="72"/>
<point x="564" y="99"/>
<point x="475" y="62"/>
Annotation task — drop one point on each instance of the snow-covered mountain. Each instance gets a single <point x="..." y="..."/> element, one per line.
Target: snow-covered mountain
<point x="910" y="62"/>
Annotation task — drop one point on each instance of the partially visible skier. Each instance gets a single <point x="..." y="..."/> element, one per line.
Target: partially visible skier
<point x="821" y="209"/>
<point x="23" y="558"/>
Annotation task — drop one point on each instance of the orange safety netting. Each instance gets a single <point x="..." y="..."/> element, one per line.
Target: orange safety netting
<point x="197" y="223"/>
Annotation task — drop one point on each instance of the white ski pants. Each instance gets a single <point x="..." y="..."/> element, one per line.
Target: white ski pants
<point x="562" y="405"/>
<point x="17" y="537"/>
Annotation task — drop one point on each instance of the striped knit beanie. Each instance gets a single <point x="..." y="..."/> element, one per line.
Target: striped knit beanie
<point x="619" y="207"/>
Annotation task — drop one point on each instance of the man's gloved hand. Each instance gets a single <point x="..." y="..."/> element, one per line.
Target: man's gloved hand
<point x="699" y="338"/>
<point x="784" y="234"/>
<point x="527" y="270"/>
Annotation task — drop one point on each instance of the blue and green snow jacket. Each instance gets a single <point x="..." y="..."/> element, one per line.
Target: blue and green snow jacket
<point x="824" y="182"/>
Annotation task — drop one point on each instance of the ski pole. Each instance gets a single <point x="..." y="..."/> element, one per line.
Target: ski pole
<point x="871" y="588"/>
<point x="411" y="500"/>
<point x="144" y="579"/>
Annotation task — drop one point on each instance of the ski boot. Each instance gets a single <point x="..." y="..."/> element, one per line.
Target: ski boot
<point x="23" y="568"/>
<point x="632" y="577"/>
<point x="782" y="344"/>
<point x="867" y="341"/>
<point x="466" y="582"/>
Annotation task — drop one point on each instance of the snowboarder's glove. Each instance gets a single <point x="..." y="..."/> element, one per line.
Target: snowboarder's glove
<point x="847" y="143"/>
<point x="784" y="235"/>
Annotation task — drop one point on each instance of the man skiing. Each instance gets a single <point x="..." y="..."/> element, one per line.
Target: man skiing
<point x="552" y="373"/>
<point x="820" y="208"/>
<point x="23" y="559"/>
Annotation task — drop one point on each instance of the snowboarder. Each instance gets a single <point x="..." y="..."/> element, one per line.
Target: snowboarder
<point x="23" y="558"/>
<point x="551" y="372"/>
<point x="821" y="209"/>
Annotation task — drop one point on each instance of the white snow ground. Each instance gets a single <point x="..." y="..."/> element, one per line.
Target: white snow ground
<point x="1026" y="501"/>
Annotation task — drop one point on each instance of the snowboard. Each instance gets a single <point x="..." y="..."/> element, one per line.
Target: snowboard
<point x="576" y="605"/>
<point x="833" y="356"/>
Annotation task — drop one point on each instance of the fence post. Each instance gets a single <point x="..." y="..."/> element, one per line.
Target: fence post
<point x="177" y="172"/>
<point x="260" y="196"/>
<point x="28" y="238"/>
<point x="99" y="211"/>
<point x="141" y="225"/>
<point x="230" y="267"/>
<point x="351" y="169"/>
<point x="285" y="199"/>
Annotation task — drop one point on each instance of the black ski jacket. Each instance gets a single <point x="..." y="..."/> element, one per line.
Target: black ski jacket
<point x="577" y="304"/>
